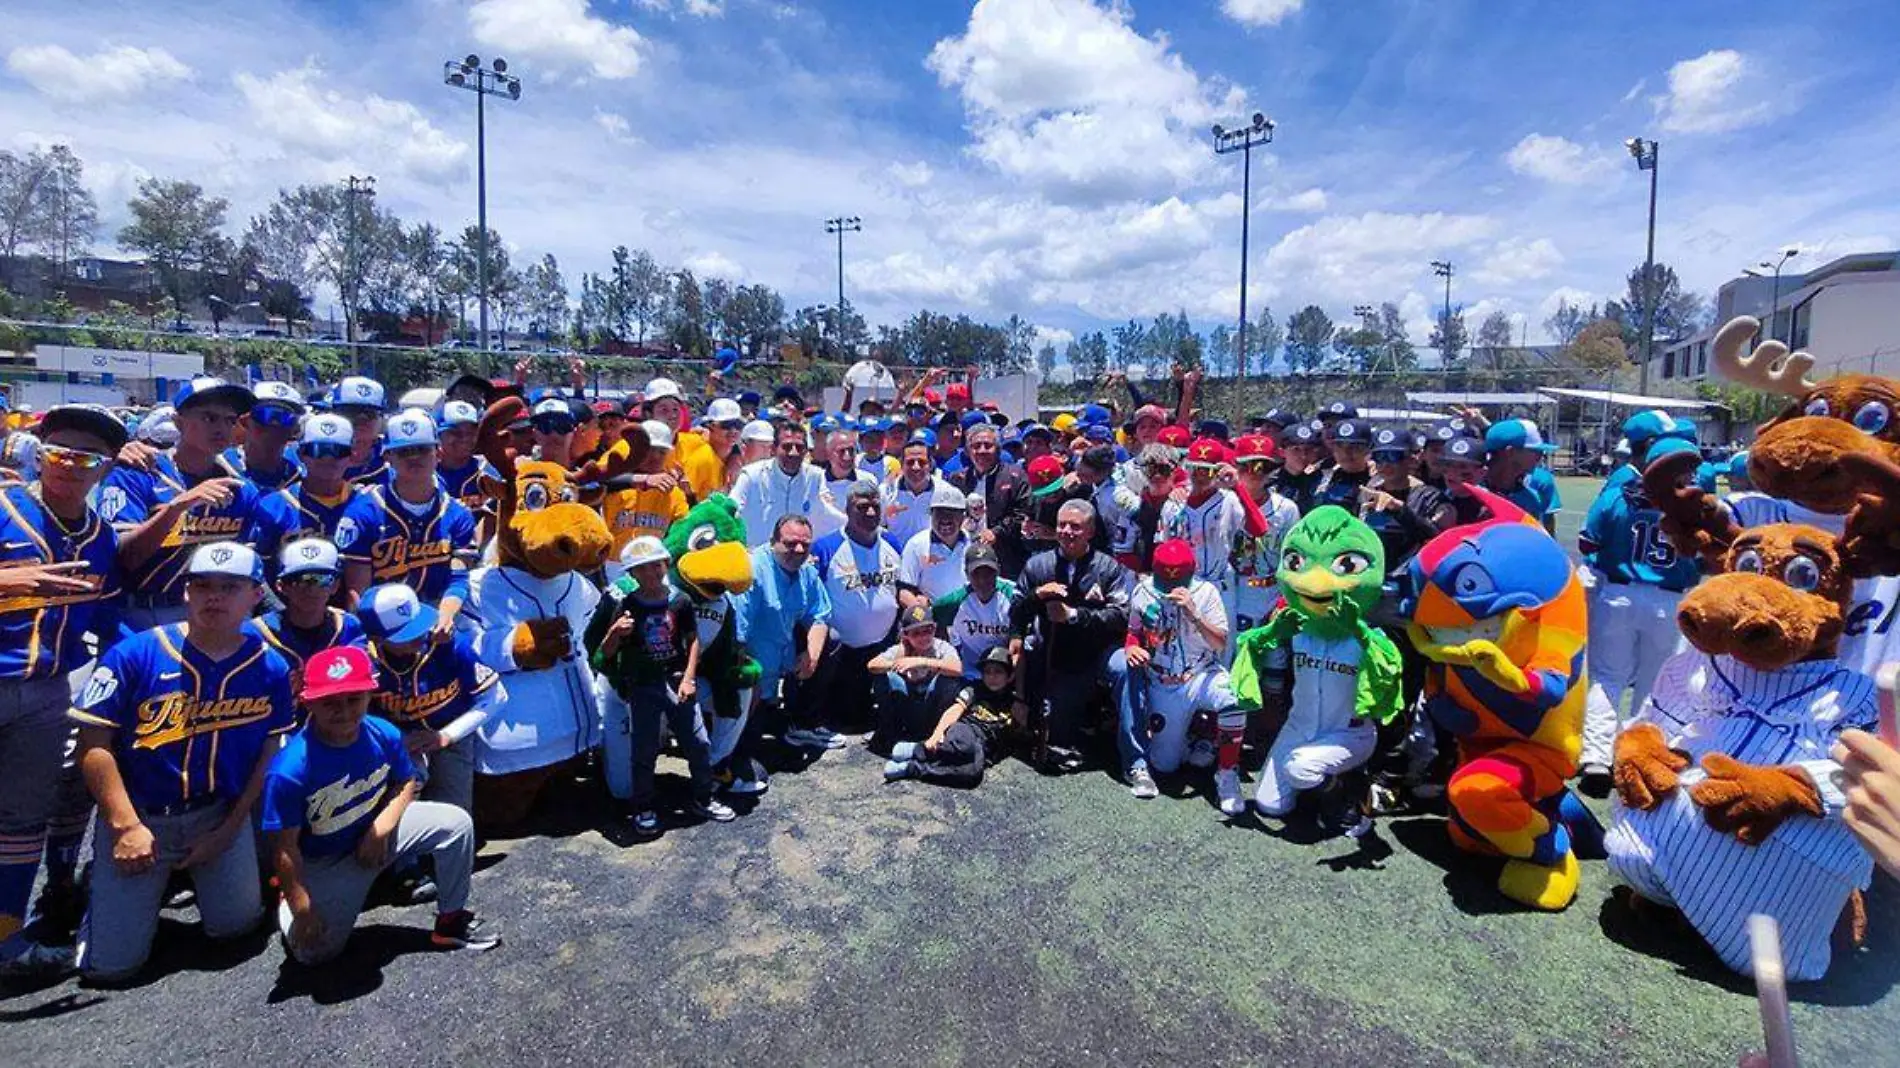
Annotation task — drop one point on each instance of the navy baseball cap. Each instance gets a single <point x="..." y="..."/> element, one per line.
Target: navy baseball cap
<point x="787" y="393"/>
<point x="1304" y="434"/>
<point x="1101" y="432"/>
<point x="1515" y="434"/>
<point x="1038" y="430"/>
<point x="86" y="419"/>
<point x="749" y="398"/>
<point x="1352" y="432"/>
<point x="946" y="420"/>
<point x="973" y="418"/>
<point x="1389" y="441"/>
<point x="1211" y="428"/>
<point x="1339" y="410"/>
<point x="1442" y="433"/>
<point x="208" y="390"/>
<point x="1465" y="447"/>
<point x="1280" y="417"/>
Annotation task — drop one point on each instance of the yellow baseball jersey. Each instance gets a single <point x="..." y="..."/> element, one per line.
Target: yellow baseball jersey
<point x="705" y="469"/>
<point x="633" y="512"/>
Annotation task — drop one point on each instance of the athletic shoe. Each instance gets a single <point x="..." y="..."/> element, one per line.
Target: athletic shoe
<point x="833" y="740"/>
<point x="414" y="889"/>
<point x="1361" y="828"/>
<point x="811" y="738"/>
<point x="35" y="961"/>
<point x="1384" y="800"/>
<point x="59" y="910"/>
<point x="898" y="769"/>
<point x="715" y="810"/>
<point x="647" y="824"/>
<point x="1142" y="784"/>
<point x="1594" y="781"/>
<point x="748" y="785"/>
<point x="464" y="930"/>
<point x="1200" y="753"/>
<point x="1227" y="788"/>
<point x="904" y="752"/>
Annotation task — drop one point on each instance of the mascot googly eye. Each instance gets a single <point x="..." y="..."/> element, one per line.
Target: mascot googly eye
<point x="1872" y="418"/>
<point x="534" y="497"/>
<point x="1802" y="574"/>
<point x="1747" y="560"/>
<point x="1349" y="564"/>
<point x="702" y="537"/>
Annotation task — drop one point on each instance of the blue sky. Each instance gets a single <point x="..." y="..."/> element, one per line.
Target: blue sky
<point x="1042" y="157"/>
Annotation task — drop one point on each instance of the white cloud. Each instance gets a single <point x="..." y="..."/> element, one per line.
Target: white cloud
<point x="1065" y="95"/>
<point x="1053" y="335"/>
<point x="109" y="74"/>
<point x="1556" y="159"/>
<point x="295" y="108"/>
<point x="560" y="33"/>
<point x="615" y="126"/>
<point x="910" y="175"/>
<point x="1636" y="90"/>
<point x="1516" y="260"/>
<point x="1260" y="12"/>
<point x="1309" y="200"/>
<point x="706" y="8"/>
<point x="1713" y="93"/>
<point x="712" y="264"/>
<point x="1342" y="260"/>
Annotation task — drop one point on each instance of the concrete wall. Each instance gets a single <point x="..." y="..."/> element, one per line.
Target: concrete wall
<point x="1854" y="325"/>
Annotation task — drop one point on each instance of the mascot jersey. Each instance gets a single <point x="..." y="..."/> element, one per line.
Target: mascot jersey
<point x="550" y="714"/>
<point x="1804" y="871"/>
<point x="1871" y="637"/>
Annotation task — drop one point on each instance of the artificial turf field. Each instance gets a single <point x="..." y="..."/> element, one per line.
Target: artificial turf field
<point x="1035" y="920"/>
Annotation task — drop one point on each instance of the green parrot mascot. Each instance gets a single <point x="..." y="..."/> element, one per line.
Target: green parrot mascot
<point x="1346" y="672"/>
<point x="712" y="567"/>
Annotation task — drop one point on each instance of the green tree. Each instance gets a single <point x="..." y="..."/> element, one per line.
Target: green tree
<point x="336" y="236"/>
<point x="546" y="297"/>
<point x="44" y="205"/>
<point x="1264" y="339"/>
<point x="686" y="317"/>
<point x="1089" y="356"/>
<point x="1046" y="360"/>
<point x="1307" y="335"/>
<point x="1495" y="332"/>
<point x="1399" y="354"/>
<point x="465" y="263"/>
<point x="178" y="229"/>
<point x="1131" y="341"/>
<point x="1679" y="312"/>
<point x="1568" y="320"/>
<point x="1599" y="348"/>
<point x="1449" y="337"/>
<point x="754" y="319"/>
<point x="1219" y="349"/>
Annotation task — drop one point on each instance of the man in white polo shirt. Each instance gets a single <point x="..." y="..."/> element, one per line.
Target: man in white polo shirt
<point x="932" y="562"/>
<point x="859" y="566"/>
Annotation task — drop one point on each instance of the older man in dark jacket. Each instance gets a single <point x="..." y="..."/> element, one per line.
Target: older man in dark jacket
<point x="1074" y="611"/>
<point x="1005" y="490"/>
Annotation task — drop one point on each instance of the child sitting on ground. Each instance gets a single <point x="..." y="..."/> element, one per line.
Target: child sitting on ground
<point x="974" y="732"/>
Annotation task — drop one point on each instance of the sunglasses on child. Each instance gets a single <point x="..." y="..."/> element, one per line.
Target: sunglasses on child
<point x="324" y="450"/>
<point x="322" y="579"/>
<point x="77" y="459"/>
<point x="275" y="416"/>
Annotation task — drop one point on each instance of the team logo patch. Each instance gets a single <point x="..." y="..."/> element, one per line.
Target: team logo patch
<point x="363" y="389"/>
<point x="311" y="552"/>
<point x="99" y="688"/>
<point x="345" y="531"/>
<point x="220" y="556"/>
<point x="338" y="668"/>
<point x="111" y="502"/>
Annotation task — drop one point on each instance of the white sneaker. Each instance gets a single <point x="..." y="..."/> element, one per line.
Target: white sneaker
<point x="833" y="740"/>
<point x="715" y="810"/>
<point x="808" y="738"/>
<point x="1227" y="788"/>
<point x="1200" y="753"/>
<point x="904" y="752"/>
<point x="747" y="786"/>
<point x="1142" y="785"/>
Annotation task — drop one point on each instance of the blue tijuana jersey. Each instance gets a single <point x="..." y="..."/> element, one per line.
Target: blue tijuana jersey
<point x="371" y="472"/>
<point x="186" y="727"/>
<point x="297" y="645"/>
<point x="288" y="473"/>
<point x="465" y="483"/>
<point x="433" y="689"/>
<point x="330" y="793"/>
<point x="1537" y="494"/>
<point x="42" y="637"/>
<point x="129" y="496"/>
<point x="1622" y="538"/>
<point x="417" y="550"/>
<point x="293" y="513"/>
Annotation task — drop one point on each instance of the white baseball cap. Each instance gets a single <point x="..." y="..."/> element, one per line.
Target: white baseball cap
<point x="411" y="427"/>
<point x="282" y="394"/>
<point x="359" y="391"/>
<point x="393" y="613"/>
<point x="159" y="427"/>
<point x="327" y="429"/>
<point x="308" y="554"/>
<point x="659" y="435"/>
<point x="644" y="549"/>
<point x="757" y="430"/>
<point x="226" y="558"/>
<point x="663" y="387"/>
<point x="458" y="413"/>
<point x="947" y="496"/>
<point x="723" y="410"/>
<point x="552" y="406"/>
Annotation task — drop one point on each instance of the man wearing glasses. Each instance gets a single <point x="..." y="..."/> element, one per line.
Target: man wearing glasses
<point x="58" y="571"/>
<point x="361" y="400"/>
<point x="190" y="497"/>
<point x="266" y="432"/>
<point x="782" y="485"/>
<point x="324" y="504"/>
<point x="420" y="536"/>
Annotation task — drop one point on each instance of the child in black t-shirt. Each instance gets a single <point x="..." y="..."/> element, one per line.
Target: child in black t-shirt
<point x="646" y="642"/>
<point x="973" y="733"/>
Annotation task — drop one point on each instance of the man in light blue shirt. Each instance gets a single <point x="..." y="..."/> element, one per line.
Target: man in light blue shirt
<point x="784" y="620"/>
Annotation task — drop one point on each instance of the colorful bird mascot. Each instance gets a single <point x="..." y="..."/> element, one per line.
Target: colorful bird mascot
<point x="529" y="612"/>
<point x="1346" y="673"/>
<point x="1499" y="610"/>
<point x="711" y="566"/>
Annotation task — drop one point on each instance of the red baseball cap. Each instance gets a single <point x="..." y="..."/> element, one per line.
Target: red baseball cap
<point x="933" y="397"/>
<point x="1173" y="436"/>
<point x="1207" y="451"/>
<point x="1254" y="447"/>
<point x="1045" y="471"/>
<point x="958" y="391"/>
<point x="338" y="670"/>
<point x="1174" y="555"/>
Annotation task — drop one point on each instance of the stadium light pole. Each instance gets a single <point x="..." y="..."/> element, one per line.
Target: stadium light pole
<point x="841" y="225"/>
<point x="468" y="73"/>
<point x="1444" y="269"/>
<point x="1644" y="153"/>
<point x="353" y="187"/>
<point x="1243" y="141"/>
<point x="1774" y="303"/>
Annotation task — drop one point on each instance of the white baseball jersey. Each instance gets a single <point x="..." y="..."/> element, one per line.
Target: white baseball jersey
<point x="1210" y="527"/>
<point x="1256" y="560"/>
<point x="1871" y="638"/>
<point x="931" y="566"/>
<point x="1803" y="873"/>
<point x="764" y="493"/>
<point x="1115" y="507"/>
<point x="1178" y="647"/>
<point x="906" y="512"/>
<point x="975" y="626"/>
<point x="1325" y="683"/>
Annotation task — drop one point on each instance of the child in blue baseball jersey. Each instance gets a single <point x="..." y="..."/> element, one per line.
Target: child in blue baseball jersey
<point x="308" y="571"/>
<point x="177" y="725"/>
<point x="323" y="503"/>
<point x="340" y="806"/>
<point x="435" y="692"/>
<point x="421" y="537"/>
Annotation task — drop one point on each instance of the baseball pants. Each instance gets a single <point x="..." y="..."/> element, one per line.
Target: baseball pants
<point x="122" y="915"/>
<point x="1632" y="631"/>
<point x="1154" y="731"/>
<point x="34" y="732"/>
<point x="1298" y="764"/>
<point x="338" y="884"/>
<point x="616" y="751"/>
<point x="906" y="711"/>
<point x="449" y="775"/>
<point x="959" y="761"/>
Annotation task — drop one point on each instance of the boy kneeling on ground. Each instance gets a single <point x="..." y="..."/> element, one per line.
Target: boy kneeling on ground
<point x="974" y="732"/>
<point x="340" y="806"/>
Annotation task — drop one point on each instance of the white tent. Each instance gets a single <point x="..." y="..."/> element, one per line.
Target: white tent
<point x="1629" y="400"/>
<point x="1401" y="415"/>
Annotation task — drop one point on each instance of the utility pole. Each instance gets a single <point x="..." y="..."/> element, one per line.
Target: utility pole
<point x="841" y="225"/>
<point x="1443" y="269"/>
<point x="1644" y="153"/>
<point x="1243" y="141"/>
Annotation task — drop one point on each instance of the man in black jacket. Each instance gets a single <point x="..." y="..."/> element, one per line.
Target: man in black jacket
<point x="1074" y="611"/>
<point x="1005" y="490"/>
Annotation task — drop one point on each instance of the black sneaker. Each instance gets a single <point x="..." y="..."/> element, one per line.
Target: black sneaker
<point x="464" y="930"/>
<point x="646" y="824"/>
<point x="59" y="910"/>
<point x="1595" y="781"/>
<point x="414" y="888"/>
